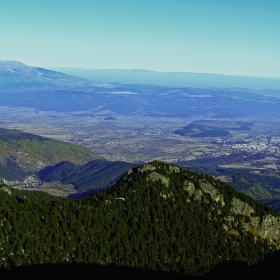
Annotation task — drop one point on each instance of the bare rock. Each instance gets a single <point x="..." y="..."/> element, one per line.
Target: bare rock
<point x="270" y="227"/>
<point x="154" y="176"/>
<point x="240" y="207"/>
<point x="255" y="222"/>
<point x="198" y="194"/>
<point x="174" y="169"/>
<point x="189" y="187"/>
<point x="215" y="195"/>
<point x="6" y="189"/>
<point x="146" y="167"/>
<point x="129" y="171"/>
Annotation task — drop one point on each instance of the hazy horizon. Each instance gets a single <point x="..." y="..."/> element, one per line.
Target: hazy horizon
<point x="57" y="68"/>
<point x="233" y="38"/>
<point x="156" y="71"/>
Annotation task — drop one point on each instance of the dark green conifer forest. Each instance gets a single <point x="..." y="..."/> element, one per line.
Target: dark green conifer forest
<point x="148" y="220"/>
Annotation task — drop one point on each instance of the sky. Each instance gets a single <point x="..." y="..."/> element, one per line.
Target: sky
<point x="230" y="37"/>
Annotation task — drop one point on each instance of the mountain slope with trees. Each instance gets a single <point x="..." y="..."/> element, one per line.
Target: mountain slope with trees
<point x="95" y="175"/>
<point x="157" y="217"/>
<point x="24" y="154"/>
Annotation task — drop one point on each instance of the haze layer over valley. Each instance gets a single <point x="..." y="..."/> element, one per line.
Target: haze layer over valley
<point x="140" y="122"/>
<point x="222" y="128"/>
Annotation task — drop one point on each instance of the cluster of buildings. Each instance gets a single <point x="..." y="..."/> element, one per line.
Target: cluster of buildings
<point x="255" y="144"/>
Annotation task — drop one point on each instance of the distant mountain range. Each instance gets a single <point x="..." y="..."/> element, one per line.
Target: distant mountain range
<point x="13" y="72"/>
<point x="15" y="75"/>
<point x="175" y="79"/>
<point x="47" y="90"/>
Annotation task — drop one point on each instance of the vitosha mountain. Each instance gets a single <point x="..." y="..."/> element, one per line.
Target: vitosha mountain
<point x="158" y="220"/>
<point x="15" y="75"/>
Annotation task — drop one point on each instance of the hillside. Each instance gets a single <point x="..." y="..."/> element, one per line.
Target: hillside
<point x="263" y="186"/>
<point x="157" y="219"/>
<point x="25" y="154"/>
<point x="95" y="175"/>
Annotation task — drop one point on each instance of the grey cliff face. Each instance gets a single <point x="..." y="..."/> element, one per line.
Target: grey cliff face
<point x="242" y="208"/>
<point x="270" y="227"/>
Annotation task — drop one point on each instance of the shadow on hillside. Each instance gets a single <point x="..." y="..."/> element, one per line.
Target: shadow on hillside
<point x="268" y="267"/>
<point x="82" y="194"/>
<point x="84" y="271"/>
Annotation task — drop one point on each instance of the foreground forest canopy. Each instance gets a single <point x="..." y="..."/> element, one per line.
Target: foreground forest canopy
<point x="157" y="217"/>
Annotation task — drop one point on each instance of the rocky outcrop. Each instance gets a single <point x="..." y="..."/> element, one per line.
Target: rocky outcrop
<point x="215" y="195"/>
<point x="205" y="188"/>
<point x="270" y="227"/>
<point x="129" y="171"/>
<point x="198" y="194"/>
<point x="9" y="183"/>
<point x="174" y="169"/>
<point x="6" y="189"/>
<point x="255" y="222"/>
<point x="189" y="187"/>
<point x="28" y="181"/>
<point x="267" y="226"/>
<point x="146" y="167"/>
<point x="240" y="207"/>
<point x="154" y="176"/>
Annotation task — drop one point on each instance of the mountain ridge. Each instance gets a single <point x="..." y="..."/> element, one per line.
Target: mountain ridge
<point x="17" y="76"/>
<point x="175" y="79"/>
<point x="93" y="176"/>
<point x="24" y="154"/>
<point x="68" y="75"/>
<point x="156" y="217"/>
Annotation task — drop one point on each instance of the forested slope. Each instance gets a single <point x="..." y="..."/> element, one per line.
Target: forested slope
<point x="23" y="154"/>
<point x="95" y="175"/>
<point x="157" y="217"/>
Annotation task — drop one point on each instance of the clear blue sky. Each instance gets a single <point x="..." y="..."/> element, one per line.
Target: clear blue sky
<point x="232" y="37"/>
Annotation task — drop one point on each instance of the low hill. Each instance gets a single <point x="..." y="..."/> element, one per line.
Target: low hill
<point x="196" y="130"/>
<point x="157" y="219"/>
<point x="25" y="154"/>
